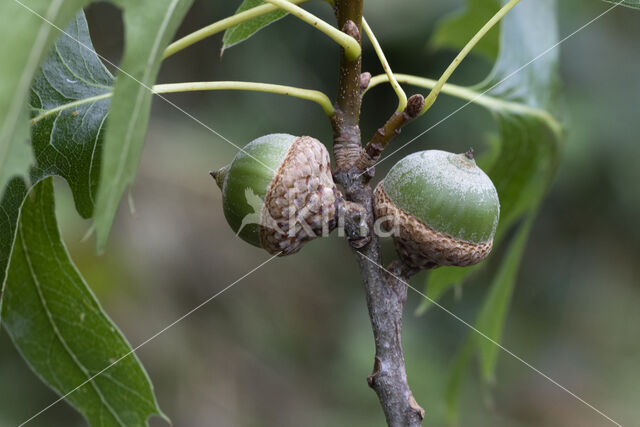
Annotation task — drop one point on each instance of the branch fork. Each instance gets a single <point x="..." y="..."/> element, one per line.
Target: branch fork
<point x="374" y="148"/>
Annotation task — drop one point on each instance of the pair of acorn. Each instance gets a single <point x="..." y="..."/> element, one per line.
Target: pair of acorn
<point x="440" y="207"/>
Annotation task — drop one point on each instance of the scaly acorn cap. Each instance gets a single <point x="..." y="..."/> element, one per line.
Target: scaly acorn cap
<point x="441" y="207"/>
<point x="278" y="193"/>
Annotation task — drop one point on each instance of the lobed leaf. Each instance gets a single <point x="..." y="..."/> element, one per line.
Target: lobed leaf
<point x="149" y="25"/>
<point x="58" y="326"/>
<point x="64" y="143"/>
<point x="70" y="110"/>
<point x="70" y="103"/>
<point x="27" y="29"/>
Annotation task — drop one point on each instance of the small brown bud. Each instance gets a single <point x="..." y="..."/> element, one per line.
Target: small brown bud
<point x="351" y="29"/>
<point x="365" y="79"/>
<point x="415" y="104"/>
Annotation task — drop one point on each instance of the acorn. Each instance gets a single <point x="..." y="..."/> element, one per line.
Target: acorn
<point x="278" y="192"/>
<point x="440" y="207"/>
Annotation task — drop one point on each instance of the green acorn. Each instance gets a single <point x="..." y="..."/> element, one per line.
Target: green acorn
<point x="441" y="208"/>
<point x="278" y="192"/>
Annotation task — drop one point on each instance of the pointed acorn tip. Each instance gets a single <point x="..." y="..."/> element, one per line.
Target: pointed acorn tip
<point x="219" y="175"/>
<point x="469" y="153"/>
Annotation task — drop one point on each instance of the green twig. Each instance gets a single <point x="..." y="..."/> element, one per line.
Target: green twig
<point x="402" y="97"/>
<point x="219" y="26"/>
<point x="308" y="94"/>
<point x="351" y="46"/>
<point x="431" y="98"/>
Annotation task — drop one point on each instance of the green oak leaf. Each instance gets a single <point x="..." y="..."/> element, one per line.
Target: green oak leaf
<point x="28" y="29"/>
<point x="19" y="157"/>
<point x="69" y="108"/>
<point x="490" y="321"/>
<point x="10" y="203"/>
<point x="66" y="128"/>
<point x="241" y="32"/>
<point x="61" y="101"/>
<point x="58" y="326"/>
<point x="149" y="27"/>
<point x="32" y="25"/>
<point x="493" y="314"/>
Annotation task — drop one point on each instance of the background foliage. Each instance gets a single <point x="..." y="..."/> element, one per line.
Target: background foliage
<point x="260" y="340"/>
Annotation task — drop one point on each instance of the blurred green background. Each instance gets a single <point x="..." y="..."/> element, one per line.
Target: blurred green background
<point x="291" y="344"/>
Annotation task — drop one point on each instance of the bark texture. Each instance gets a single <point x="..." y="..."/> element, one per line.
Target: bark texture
<point x="385" y="295"/>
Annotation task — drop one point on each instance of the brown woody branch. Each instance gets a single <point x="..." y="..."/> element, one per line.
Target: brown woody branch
<point x="346" y="131"/>
<point x="385" y="295"/>
<point x="372" y="151"/>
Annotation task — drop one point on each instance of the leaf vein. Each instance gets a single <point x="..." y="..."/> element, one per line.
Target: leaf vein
<point x="77" y="76"/>
<point x="93" y="156"/>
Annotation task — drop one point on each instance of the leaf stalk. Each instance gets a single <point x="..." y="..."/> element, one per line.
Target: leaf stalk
<point x="220" y="26"/>
<point x="431" y="98"/>
<point x="468" y="94"/>
<point x="402" y="97"/>
<point x="350" y="45"/>
<point x="308" y="94"/>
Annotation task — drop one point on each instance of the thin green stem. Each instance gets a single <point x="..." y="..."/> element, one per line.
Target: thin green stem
<point x="311" y="95"/>
<point x="349" y="44"/>
<point x="489" y="102"/>
<point x="308" y="94"/>
<point x="402" y="97"/>
<point x="219" y="26"/>
<point x="431" y="98"/>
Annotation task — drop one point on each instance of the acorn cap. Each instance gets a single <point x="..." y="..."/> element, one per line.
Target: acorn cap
<point x="445" y="208"/>
<point x="279" y="193"/>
